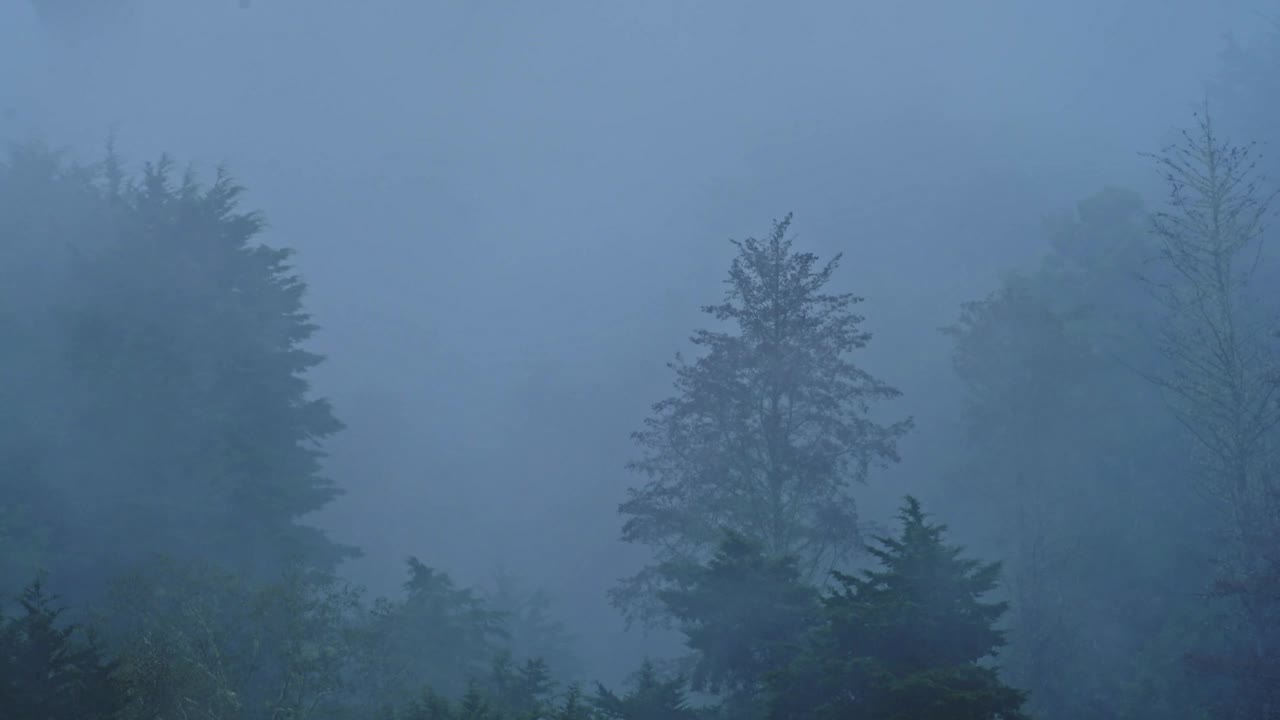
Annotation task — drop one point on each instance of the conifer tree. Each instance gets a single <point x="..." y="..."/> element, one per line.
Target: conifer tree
<point x="48" y="669"/>
<point x="743" y="615"/>
<point x="904" y="641"/>
<point x="650" y="697"/>
<point x="768" y="428"/>
<point x="161" y="384"/>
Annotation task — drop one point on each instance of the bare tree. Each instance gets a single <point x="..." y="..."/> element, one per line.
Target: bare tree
<point x="1220" y="378"/>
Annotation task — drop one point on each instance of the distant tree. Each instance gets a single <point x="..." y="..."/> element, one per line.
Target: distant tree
<point x="905" y="641"/>
<point x="43" y="205"/>
<point x="196" y="641"/>
<point x="473" y="705"/>
<point x="430" y="706"/>
<point x="1025" y="374"/>
<point x="767" y="430"/>
<point x="439" y="636"/>
<point x="196" y="336"/>
<point x="521" y="692"/>
<point x="744" y="615"/>
<point x="1068" y="456"/>
<point x="1222" y="380"/>
<point x="50" y="670"/>
<point x="159" y="374"/>
<point x="573" y="706"/>
<point x="533" y="629"/>
<point x="650" y="697"/>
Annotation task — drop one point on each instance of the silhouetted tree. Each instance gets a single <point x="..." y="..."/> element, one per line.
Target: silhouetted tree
<point x="768" y="428"/>
<point x="533" y="630"/>
<point x="439" y="635"/>
<point x="161" y="382"/>
<point x="1222" y="380"/>
<point x="50" y="671"/>
<point x="1068" y="456"/>
<point x="650" y="697"/>
<point x="744" y="615"/>
<point x="904" y="641"/>
<point x="521" y="692"/>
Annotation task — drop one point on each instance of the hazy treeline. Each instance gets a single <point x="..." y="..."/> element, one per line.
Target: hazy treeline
<point x="161" y="450"/>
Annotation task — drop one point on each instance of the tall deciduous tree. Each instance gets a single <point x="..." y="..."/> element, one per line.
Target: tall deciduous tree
<point x="1221" y="380"/>
<point x="1069" y="457"/>
<point x="768" y="428"/>
<point x="49" y="670"/>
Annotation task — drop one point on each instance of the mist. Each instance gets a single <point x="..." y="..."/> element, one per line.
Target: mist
<point x="508" y="216"/>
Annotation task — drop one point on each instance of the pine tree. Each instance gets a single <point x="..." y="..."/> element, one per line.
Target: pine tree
<point x="48" y="670"/>
<point x="439" y="635"/>
<point x="522" y="691"/>
<point x="650" y="697"/>
<point x="743" y="614"/>
<point x="904" y="641"/>
<point x="159" y="374"/>
<point x="534" y="630"/>
<point x="189" y="354"/>
<point x="768" y="428"/>
<point x="573" y="706"/>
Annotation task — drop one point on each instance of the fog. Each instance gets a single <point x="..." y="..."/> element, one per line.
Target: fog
<point x="509" y="214"/>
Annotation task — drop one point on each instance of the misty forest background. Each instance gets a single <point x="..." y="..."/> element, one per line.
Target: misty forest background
<point x="988" y="429"/>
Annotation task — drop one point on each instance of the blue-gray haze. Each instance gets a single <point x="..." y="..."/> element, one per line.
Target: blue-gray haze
<point x="510" y="212"/>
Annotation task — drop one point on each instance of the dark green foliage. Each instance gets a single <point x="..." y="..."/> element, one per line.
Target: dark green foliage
<point x="743" y="614"/>
<point x="50" y="671"/>
<point x="768" y="427"/>
<point x="904" y="641"/>
<point x="650" y="697"/>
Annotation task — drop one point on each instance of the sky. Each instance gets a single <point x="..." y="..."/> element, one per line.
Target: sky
<point x="509" y="213"/>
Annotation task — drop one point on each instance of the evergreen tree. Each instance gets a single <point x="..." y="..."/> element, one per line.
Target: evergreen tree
<point x="650" y="697"/>
<point x="573" y="706"/>
<point x="161" y="378"/>
<point x="522" y="691"/>
<point x="439" y="635"/>
<point x="904" y="641"/>
<point x="768" y="428"/>
<point x="1068" y="456"/>
<point x="48" y="670"/>
<point x="743" y="615"/>
<point x="534" y="631"/>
